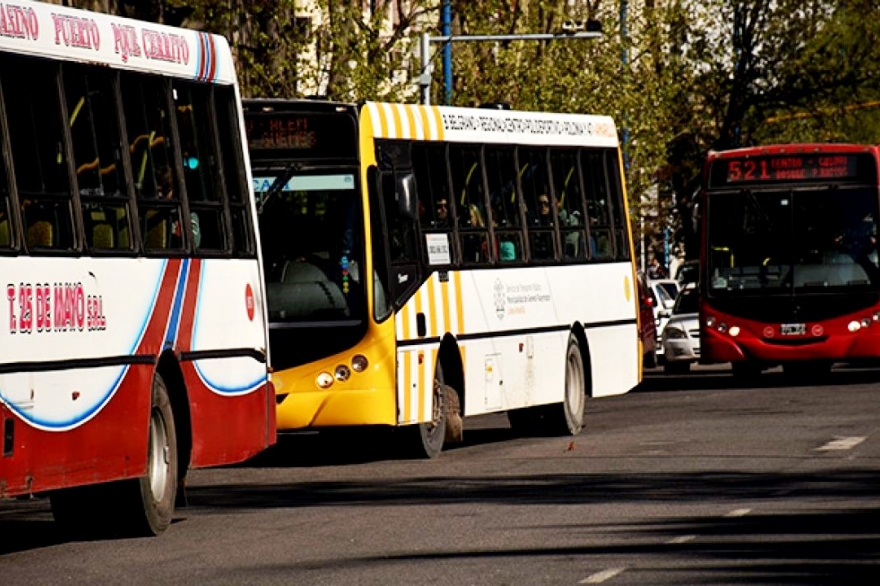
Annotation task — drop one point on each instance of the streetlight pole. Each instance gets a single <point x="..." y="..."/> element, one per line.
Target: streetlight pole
<point x="426" y="40"/>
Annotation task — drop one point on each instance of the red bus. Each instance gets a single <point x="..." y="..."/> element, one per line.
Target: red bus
<point x="134" y="345"/>
<point x="789" y="267"/>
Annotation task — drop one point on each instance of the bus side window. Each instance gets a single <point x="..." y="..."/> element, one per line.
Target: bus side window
<point x="200" y="165"/>
<point x="97" y="150"/>
<point x="598" y="207"/>
<point x="569" y="203"/>
<point x="615" y="186"/>
<point x="37" y="144"/>
<point x="157" y="186"/>
<point x="6" y="231"/>
<point x="537" y="198"/>
<point x="501" y="174"/>
<point x="237" y="193"/>
<point x="465" y="167"/>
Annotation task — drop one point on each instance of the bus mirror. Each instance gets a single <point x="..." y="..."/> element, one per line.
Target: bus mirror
<point x="406" y="195"/>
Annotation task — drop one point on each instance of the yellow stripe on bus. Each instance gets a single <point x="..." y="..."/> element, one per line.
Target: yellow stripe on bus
<point x="439" y="119"/>
<point x="407" y="387"/>
<point x="413" y="125"/>
<point x="432" y="307"/>
<point x="383" y="121"/>
<point x="418" y="299"/>
<point x="429" y="391"/>
<point x="459" y="303"/>
<point x="403" y="312"/>
<point x="398" y="123"/>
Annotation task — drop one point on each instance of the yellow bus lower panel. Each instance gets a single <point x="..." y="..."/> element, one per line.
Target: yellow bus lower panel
<point x="300" y="410"/>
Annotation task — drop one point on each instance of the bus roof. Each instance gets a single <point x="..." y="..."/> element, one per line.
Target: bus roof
<point x="795" y="148"/>
<point x="56" y="32"/>
<point x="446" y="123"/>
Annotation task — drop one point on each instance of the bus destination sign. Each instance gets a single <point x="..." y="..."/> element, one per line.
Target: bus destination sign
<point x="763" y="169"/>
<point x="301" y="135"/>
<point x="289" y="132"/>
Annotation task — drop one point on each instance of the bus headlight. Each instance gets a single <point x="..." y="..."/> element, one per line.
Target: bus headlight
<point x="342" y="373"/>
<point x="710" y="321"/>
<point x="866" y="321"/>
<point x="359" y="363"/>
<point x="854" y="326"/>
<point x="733" y="331"/>
<point x="324" y="380"/>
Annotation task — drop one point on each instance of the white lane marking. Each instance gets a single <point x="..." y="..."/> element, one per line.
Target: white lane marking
<point x="681" y="539"/>
<point x="738" y="513"/>
<point x="602" y="576"/>
<point x="842" y="443"/>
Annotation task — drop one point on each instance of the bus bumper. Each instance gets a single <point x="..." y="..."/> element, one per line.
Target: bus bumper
<point x="336" y="408"/>
<point x="720" y="347"/>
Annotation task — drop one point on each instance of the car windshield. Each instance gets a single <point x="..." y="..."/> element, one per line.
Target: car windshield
<point x="772" y="241"/>
<point x="686" y="302"/>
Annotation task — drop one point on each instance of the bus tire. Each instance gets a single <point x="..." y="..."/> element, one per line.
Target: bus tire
<point x="575" y="402"/>
<point x="157" y="491"/>
<point x="425" y="440"/>
<point x="147" y="503"/>
<point x="135" y="507"/>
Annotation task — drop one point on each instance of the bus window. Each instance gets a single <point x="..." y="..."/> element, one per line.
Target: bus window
<point x="538" y="202"/>
<point x="145" y="102"/>
<point x="97" y="152"/>
<point x="233" y="171"/>
<point x="505" y="208"/>
<point x="5" y="221"/>
<point x="569" y="201"/>
<point x="467" y="187"/>
<point x="436" y="205"/>
<point x="619" y="210"/>
<point x="200" y="165"/>
<point x="598" y="206"/>
<point x="39" y="157"/>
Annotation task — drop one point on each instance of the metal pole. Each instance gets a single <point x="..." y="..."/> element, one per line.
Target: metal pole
<point x="425" y="76"/>
<point x="447" y="53"/>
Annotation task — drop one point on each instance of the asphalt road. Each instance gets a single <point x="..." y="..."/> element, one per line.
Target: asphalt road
<point x="686" y="480"/>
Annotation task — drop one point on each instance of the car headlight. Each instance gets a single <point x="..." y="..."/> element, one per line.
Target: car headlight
<point x="674" y="334"/>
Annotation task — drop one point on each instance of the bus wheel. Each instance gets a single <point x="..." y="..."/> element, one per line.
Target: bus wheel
<point x="135" y="507"/>
<point x="425" y="440"/>
<point x="569" y="417"/>
<point x="575" y="388"/>
<point x="157" y="490"/>
<point x="147" y="503"/>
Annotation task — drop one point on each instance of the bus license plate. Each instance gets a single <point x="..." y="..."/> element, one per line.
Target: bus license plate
<point x="793" y="329"/>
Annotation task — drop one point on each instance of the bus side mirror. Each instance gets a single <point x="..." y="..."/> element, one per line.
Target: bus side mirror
<point x="406" y="195"/>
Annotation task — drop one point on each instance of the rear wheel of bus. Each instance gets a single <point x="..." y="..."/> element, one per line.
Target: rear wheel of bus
<point x="136" y="507"/>
<point x="566" y="418"/>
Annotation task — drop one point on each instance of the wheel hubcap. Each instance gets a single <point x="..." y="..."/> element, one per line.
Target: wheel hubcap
<point x="159" y="455"/>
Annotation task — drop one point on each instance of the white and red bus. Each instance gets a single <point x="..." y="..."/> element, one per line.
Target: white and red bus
<point x="134" y="344"/>
<point x="789" y="264"/>
<point x="425" y="264"/>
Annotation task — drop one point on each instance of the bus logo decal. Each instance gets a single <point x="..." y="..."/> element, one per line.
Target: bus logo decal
<point x="249" y="301"/>
<point x="500" y="301"/>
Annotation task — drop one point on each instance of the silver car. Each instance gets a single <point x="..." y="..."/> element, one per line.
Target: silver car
<point x="681" y="336"/>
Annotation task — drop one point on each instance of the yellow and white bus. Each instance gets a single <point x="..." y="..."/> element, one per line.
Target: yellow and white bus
<point x="425" y="264"/>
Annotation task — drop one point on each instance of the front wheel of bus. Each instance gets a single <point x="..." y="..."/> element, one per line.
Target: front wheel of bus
<point x="426" y="440"/>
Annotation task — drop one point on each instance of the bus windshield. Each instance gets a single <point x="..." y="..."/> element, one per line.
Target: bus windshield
<point x="312" y="245"/>
<point x="792" y="241"/>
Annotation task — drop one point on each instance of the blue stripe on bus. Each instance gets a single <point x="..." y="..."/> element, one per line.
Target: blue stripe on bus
<point x="174" y="322"/>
